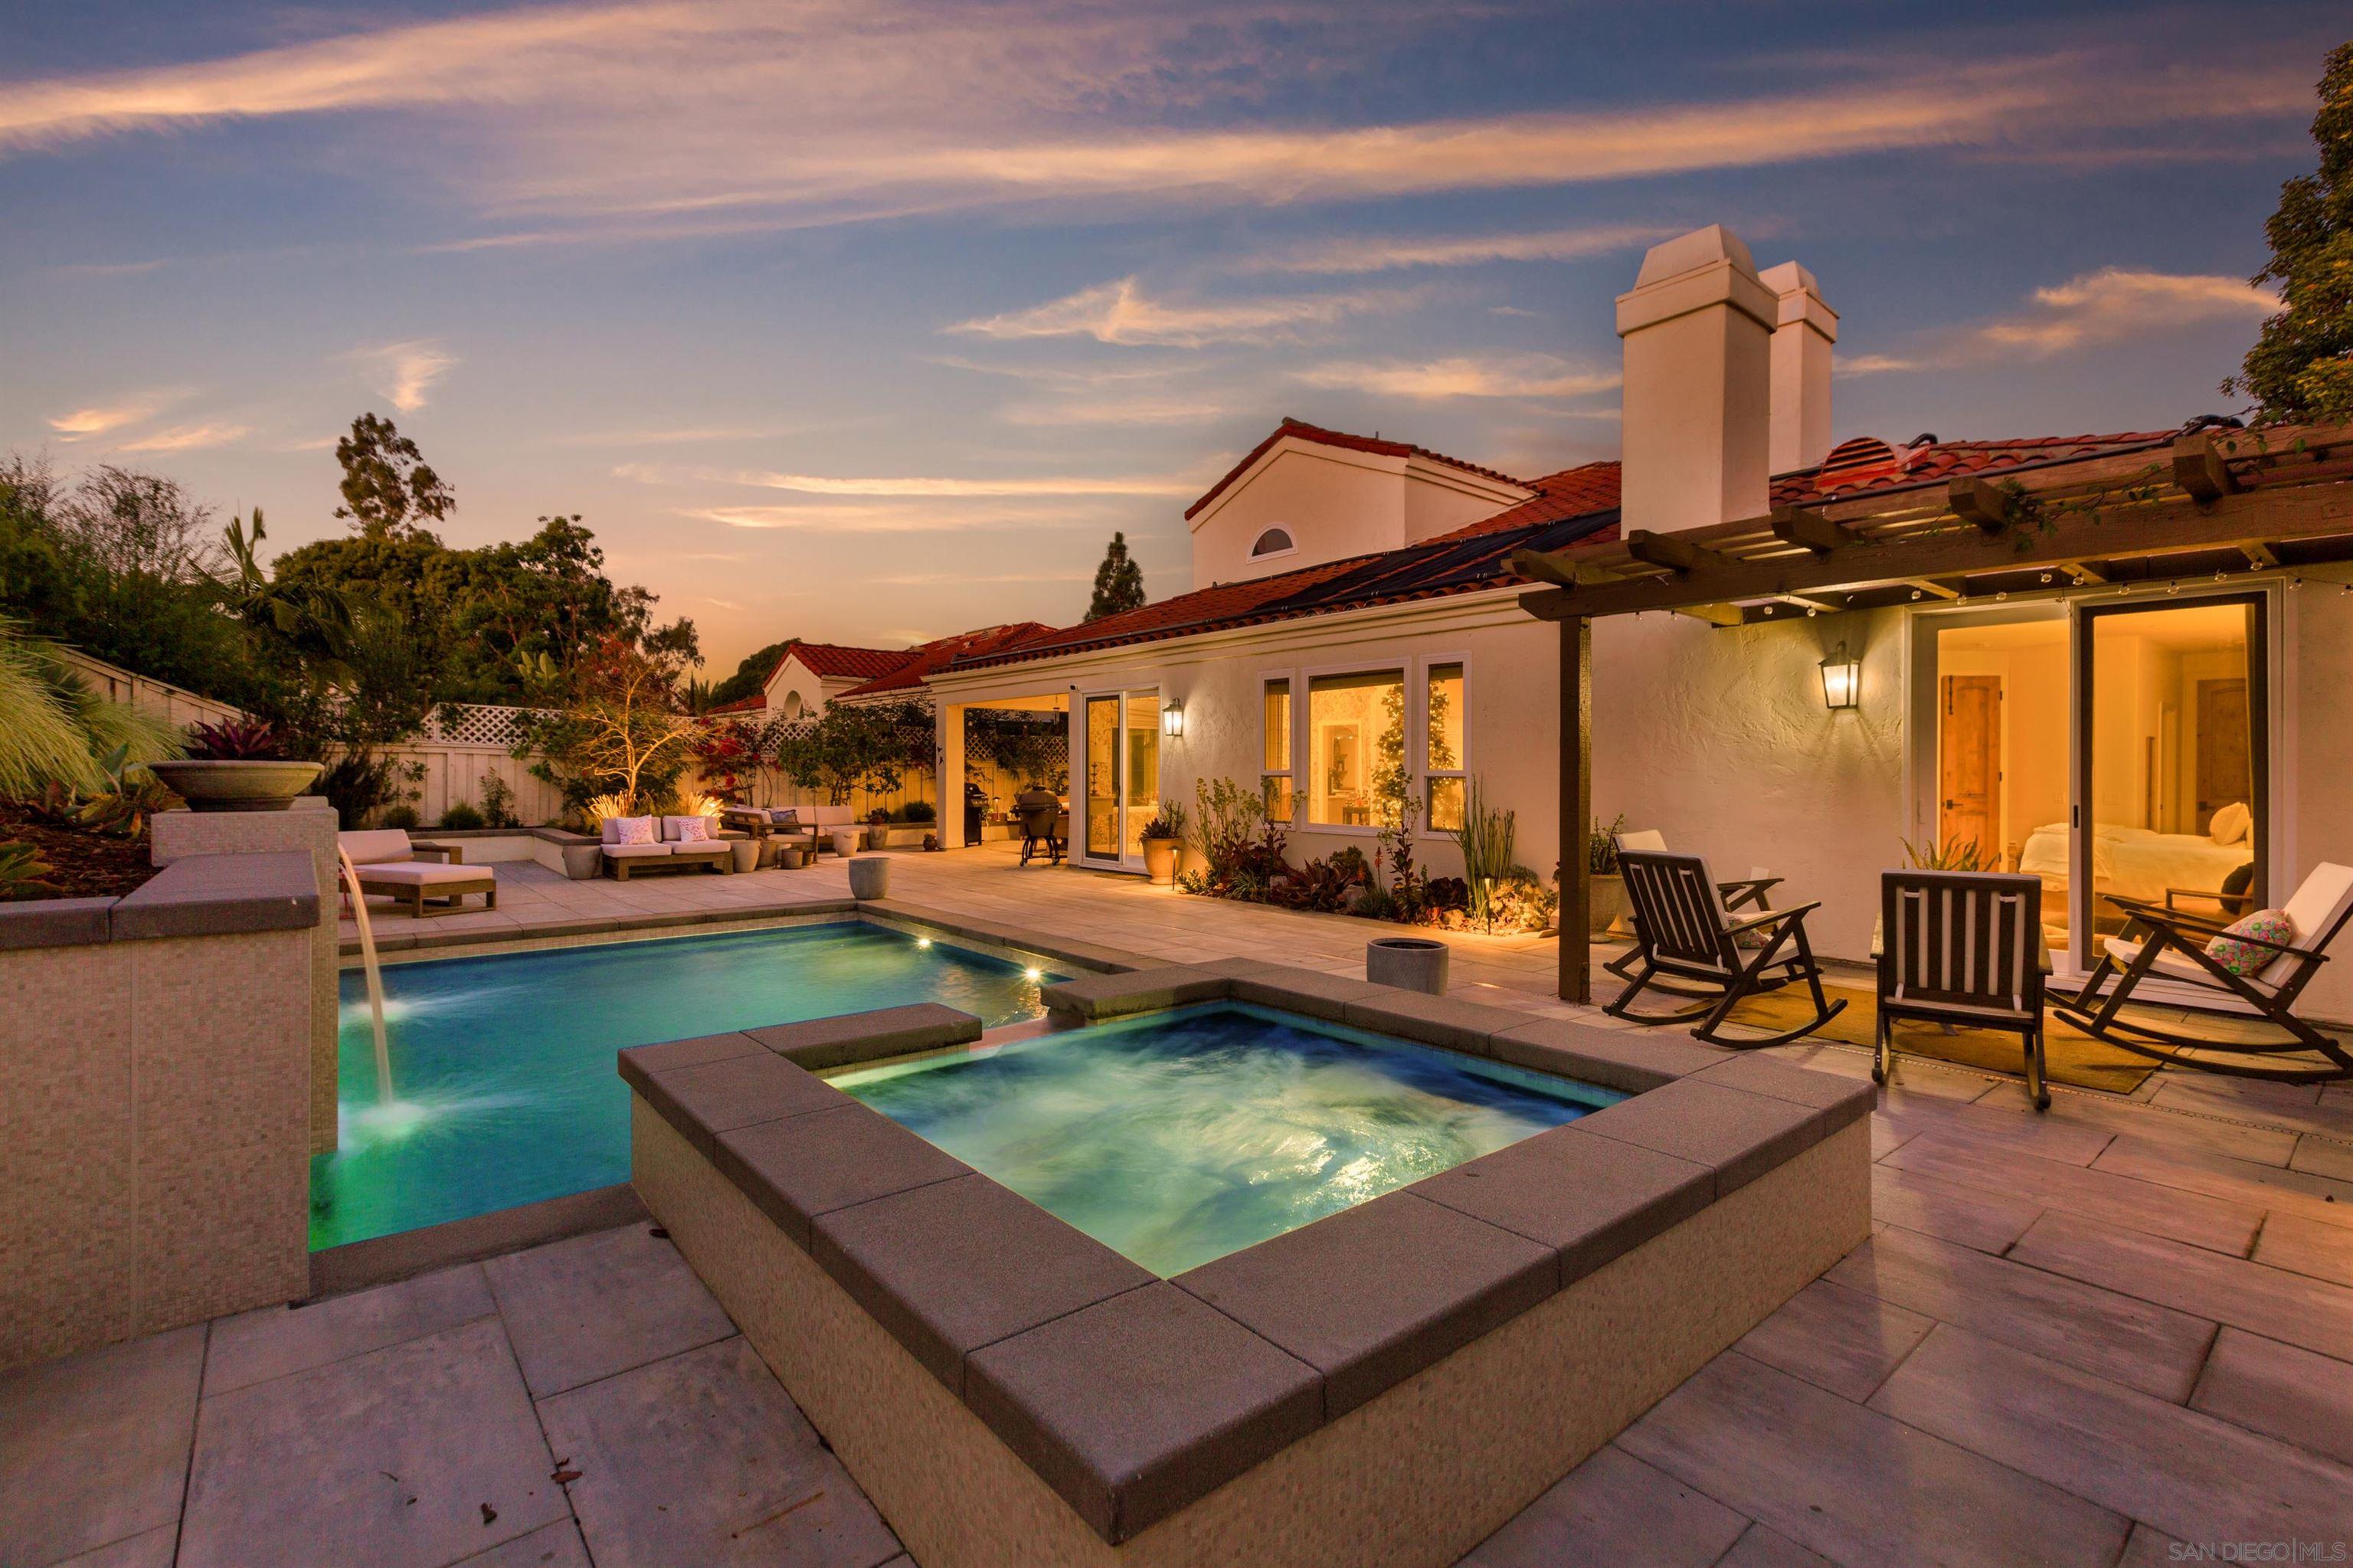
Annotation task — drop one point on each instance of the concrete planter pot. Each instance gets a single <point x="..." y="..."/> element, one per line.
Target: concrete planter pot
<point x="846" y="842"/>
<point x="1409" y="963"/>
<point x="869" y="877"/>
<point x="789" y="856"/>
<point x="1608" y="909"/>
<point x="1160" y="858"/>
<point x="242" y="786"/>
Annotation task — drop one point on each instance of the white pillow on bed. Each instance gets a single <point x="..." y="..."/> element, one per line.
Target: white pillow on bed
<point x="2232" y="823"/>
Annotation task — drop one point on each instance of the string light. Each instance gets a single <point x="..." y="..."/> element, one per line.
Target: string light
<point x="2046" y="577"/>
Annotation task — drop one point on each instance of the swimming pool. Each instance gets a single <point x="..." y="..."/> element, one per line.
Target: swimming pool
<point x="503" y="1084"/>
<point x="1179" y="1137"/>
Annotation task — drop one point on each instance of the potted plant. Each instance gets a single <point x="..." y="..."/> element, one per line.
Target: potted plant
<point x="1164" y="836"/>
<point x="238" y="764"/>
<point x="1606" y="896"/>
<point x="877" y="829"/>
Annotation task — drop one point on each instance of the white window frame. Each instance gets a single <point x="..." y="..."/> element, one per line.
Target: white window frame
<point x="1303" y="710"/>
<point x="1292" y="684"/>
<point x="1290" y="533"/>
<point x="1418" y="707"/>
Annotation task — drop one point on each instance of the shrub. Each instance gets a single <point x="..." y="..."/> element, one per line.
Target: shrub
<point x="1327" y="886"/>
<point x="398" y="817"/>
<point x="498" y="803"/>
<point x="461" y="818"/>
<point x="919" y="811"/>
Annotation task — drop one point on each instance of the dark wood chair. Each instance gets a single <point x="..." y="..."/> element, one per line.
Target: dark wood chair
<point x="2169" y="945"/>
<point x="1963" y="949"/>
<point x="1741" y="893"/>
<point x="1041" y="815"/>
<point x="1688" y="943"/>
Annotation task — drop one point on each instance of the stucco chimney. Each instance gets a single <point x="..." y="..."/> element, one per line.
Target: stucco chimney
<point x="1698" y="330"/>
<point x="1803" y="330"/>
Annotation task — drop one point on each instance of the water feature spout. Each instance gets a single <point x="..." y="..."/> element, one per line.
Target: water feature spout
<point x="374" y="976"/>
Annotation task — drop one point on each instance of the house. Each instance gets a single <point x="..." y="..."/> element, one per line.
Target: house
<point x="2116" y="661"/>
<point x="810" y="677"/>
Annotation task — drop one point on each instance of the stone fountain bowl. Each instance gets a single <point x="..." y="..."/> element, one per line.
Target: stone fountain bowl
<point x="241" y="786"/>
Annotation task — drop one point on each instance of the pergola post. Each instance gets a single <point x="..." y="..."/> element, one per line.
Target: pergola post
<point x="1575" y="807"/>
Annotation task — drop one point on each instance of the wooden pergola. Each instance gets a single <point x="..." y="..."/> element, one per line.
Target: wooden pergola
<point x="2237" y="502"/>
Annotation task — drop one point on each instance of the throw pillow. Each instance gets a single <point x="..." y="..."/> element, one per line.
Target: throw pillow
<point x="634" y="831"/>
<point x="2247" y="958"/>
<point x="2231" y="824"/>
<point x="690" y="830"/>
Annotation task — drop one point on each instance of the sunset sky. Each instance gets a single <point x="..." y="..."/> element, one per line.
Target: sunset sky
<point x="869" y="321"/>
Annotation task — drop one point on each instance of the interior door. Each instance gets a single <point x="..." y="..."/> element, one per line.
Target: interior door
<point x="2224" y="774"/>
<point x="1969" y="751"/>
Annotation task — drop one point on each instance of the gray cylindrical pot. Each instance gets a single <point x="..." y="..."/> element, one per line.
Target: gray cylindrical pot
<point x="869" y="877"/>
<point x="1410" y="963"/>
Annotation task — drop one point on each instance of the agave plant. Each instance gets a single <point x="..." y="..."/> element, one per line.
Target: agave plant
<point x="235" y="740"/>
<point x="1954" y="853"/>
<point x="130" y="796"/>
<point x="23" y="872"/>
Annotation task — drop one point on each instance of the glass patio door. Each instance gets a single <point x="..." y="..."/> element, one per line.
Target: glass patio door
<point x="1122" y="777"/>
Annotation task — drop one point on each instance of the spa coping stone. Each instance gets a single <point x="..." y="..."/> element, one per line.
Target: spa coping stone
<point x="798" y="1168"/>
<point x="199" y="895"/>
<point x="1444" y="1279"/>
<point x="1132" y="1396"/>
<point x="954" y="1266"/>
<point x="1137" y="1405"/>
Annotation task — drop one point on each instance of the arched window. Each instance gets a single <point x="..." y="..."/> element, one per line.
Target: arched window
<point x="1274" y="542"/>
<point x="792" y="705"/>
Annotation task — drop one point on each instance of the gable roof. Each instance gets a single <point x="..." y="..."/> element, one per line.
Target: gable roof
<point x="1301" y="430"/>
<point x="923" y="659"/>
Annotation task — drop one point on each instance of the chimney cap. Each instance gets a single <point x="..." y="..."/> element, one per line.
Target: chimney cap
<point x="1690" y="252"/>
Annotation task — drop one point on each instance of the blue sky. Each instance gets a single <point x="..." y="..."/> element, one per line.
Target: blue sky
<point x="869" y="320"/>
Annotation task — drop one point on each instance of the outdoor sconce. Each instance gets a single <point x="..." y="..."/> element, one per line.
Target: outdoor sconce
<point x="1841" y="679"/>
<point x="1172" y="721"/>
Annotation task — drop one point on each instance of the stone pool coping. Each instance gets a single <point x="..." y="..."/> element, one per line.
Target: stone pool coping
<point x="200" y="895"/>
<point x="1132" y="1396"/>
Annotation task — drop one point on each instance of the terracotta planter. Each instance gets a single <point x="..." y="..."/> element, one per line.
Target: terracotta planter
<point x="1608" y="908"/>
<point x="1410" y="963"/>
<point x="238" y="785"/>
<point x="1160" y="858"/>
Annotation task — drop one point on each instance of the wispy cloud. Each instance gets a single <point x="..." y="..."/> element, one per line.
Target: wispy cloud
<point x="930" y="579"/>
<point x="1386" y="253"/>
<point x="914" y="517"/>
<point x="406" y="372"/>
<point x="109" y="269"/>
<point x="1122" y="313"/>
<point x="187" y="438"/>
<point x="924" y="486"/>
<point x="2115" y="304"/>
<point x="1094" y="411"/>
<point x="100" y="419"/>
<point x="1505" y="375"/>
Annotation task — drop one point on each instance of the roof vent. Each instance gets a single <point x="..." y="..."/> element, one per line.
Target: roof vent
<point x="1925" y="438"/>
<point x="1861" y="455"/>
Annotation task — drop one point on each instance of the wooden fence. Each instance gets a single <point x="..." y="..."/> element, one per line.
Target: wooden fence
<point x="159" y="699"/>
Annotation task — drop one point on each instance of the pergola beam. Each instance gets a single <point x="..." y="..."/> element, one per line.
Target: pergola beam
<point x="1714" y="614"/>
<point x="1930" y="586"/>
<point x="1675" y="553"/>
<point x="1538" y="567"/>
<point x="1975" y="500"/>
<point x="2199" y="468"/>
<point x="2259" y="552"/>
<point x="1797" y="526"/>
<point x="2275" y="515"/>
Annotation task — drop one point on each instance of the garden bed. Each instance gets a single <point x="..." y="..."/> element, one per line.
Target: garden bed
<point x="82" y="864"/>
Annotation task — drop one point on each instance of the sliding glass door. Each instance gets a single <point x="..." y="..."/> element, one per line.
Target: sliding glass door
<point x="1122" y="781"/>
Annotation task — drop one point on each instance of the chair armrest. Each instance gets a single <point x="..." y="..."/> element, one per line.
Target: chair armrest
<point x="425" y="848"/>
<point x="1773" y="918"/>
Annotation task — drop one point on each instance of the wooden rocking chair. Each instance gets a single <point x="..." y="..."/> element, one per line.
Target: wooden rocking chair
<point x="1741" y="893"/>
<point x="1683" y="933"/>
<point x="2169" y="945"/>
<point x="1963" y="949"/>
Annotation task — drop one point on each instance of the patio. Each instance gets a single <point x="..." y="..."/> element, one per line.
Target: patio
<point x="2076" y="1337"/>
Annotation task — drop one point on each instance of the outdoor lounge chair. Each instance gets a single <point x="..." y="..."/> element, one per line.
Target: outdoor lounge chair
<point x="424" y="878"/>
<point x="1963" y="949"/>
<point x="1043" y="824"/>
<point x="1685" y="936"/>
<point x="2169" y="945"/>
<point x="1741" y="893"/>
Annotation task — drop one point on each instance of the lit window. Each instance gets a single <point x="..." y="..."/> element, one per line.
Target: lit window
<point x="1274" y="775"/>
<point x="1357" y="772"/>
<point x="1443" y="761"/>
<point x="1274" y="542"/>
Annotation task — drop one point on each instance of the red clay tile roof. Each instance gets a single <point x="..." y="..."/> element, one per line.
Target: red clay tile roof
<point x="1300" y="429"/>
<point x="933" y="655"/>
<point x="1867" y="465"/>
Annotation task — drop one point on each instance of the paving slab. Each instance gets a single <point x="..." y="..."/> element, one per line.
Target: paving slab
<point x="703" y="1459"/>
<point x="94" y="1447"/>
<point x="1844" y="1341"/>
<point x="2292" y="1394"/>
<point x="272" y="1342"/>
<point x="1763" y="1548"/>
<point x="2196" y="1478"/>
<point x="148" y="1549"/>
<point x="2105" y="1195"/>
<point x="2259" y="1186"/>
<point x="554" y="1546"/>
<point x="591" y="1306"/>
<point x="411" y="1457"/>
<point x="2286" y="1307"/>
<point x="1953" y="1213"/>
<point x="2323" y="1157"/>
<point x="1856" y="1485"/>
<point x="2114" y="1335"/>
<point x="1613" y="1508"/>
<point x="2307" y="1246"/>
<point x="1590" y="1199"/>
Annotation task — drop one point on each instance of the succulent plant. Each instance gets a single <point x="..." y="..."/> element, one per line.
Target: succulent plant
<point x="23" y="871"/>
<point x="235" y="740"/>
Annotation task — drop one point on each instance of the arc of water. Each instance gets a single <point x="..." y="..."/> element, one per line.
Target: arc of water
<point x="374" y="976"/>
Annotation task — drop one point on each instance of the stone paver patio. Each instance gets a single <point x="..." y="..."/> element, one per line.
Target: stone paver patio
<point x="2089" y="1337"/>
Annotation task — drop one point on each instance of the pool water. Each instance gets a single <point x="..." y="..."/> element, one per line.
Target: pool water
<point x="1180" y="1137"/>
<point x="505" y="1090"/>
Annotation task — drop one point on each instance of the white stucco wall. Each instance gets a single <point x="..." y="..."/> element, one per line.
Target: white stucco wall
<point x="2316" y="754"/>
<point x="1335" y="502"/>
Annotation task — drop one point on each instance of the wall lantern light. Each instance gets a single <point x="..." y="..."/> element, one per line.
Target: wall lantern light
<point x="1172" y="720"/>
<point x="1841" y="679"/>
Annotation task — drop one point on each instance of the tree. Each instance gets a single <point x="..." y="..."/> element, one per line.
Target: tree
<point x="1119" y="582"/>
<point x="751" y="677"/>
<point x="856" y="748"/>
<point x="2301" y="368"/>
<point x="313" y="621"/>
<point x="622" y="731"/>
<point x="388" y="489"/>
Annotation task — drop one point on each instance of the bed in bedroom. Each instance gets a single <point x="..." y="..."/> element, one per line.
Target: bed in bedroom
<point x="2134" y="862"/>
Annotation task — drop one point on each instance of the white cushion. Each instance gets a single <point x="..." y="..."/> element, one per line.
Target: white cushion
<point x="421" y="872"/>
<point x="638" y="851"/>
<point x="630" y="830"/>
<point x="2314" y="911"/>
<point x="827" y="816"/>
<point x="1643" y="840"/>
<point x="688" y="829"/>
<point x="375" y="844"/>
<point x="2232" y="823"/>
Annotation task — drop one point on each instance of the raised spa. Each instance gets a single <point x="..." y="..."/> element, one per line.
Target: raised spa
<point x="1175" y="1137"/>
